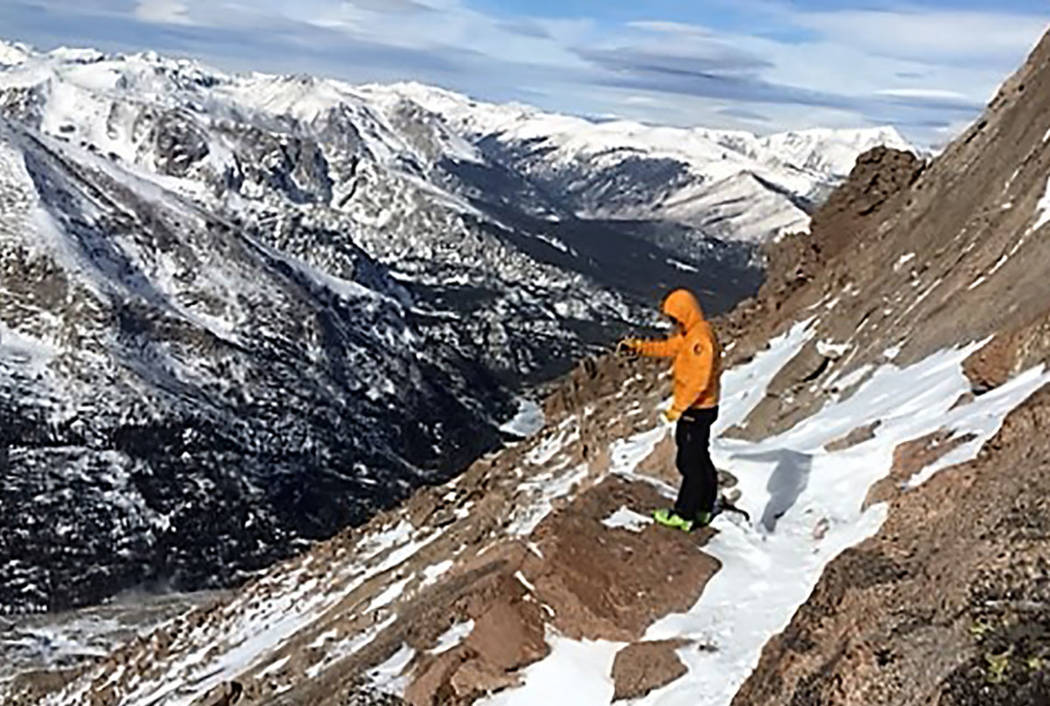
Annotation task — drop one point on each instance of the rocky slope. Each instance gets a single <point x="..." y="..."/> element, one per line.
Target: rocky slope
<point x="884" y="424"/>
<point x="948" y="602"/>
<point x="240" y="313"/>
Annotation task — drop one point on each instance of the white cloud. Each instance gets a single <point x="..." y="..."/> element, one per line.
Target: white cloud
<point x="929" y="93"/>
<point x="163" y="12"/>
<point x="913" y="33"/>
<point x="665" y="27"/>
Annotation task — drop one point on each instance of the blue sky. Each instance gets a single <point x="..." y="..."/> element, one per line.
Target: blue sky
<point x="760" y="65"/>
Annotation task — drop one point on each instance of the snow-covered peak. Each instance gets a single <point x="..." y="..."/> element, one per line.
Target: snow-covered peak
<point x="826" y="151"/>
<point x="13" y="53"/>
<point x="831" y="151"/>
<point x="75" y="55"/>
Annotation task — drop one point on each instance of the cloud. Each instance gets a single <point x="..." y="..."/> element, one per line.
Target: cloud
<point x="744" y="114"/>
<point x="775" y="63"/>
<point x="967" y="37"/>
<point x="665" y="27"/>
<point x="526" y="28"/>
<point x="163" y="12"/>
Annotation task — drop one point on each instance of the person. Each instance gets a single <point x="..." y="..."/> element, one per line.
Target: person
<point x="697" y="370"/>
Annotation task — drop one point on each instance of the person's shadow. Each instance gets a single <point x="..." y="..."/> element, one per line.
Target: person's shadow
<point x="786" y="483"/>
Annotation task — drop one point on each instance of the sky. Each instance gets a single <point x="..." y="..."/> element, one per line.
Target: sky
<point x="759" y="65"/>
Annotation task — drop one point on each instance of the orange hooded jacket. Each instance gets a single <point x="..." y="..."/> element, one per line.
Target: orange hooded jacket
<point x="697" y="355"/>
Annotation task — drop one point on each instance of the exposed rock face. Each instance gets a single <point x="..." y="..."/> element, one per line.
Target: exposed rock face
<point x="644" y="666"/>
<point x="853" y="212"/>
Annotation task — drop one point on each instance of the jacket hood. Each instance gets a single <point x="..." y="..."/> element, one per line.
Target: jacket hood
<point x="683" y="307"/>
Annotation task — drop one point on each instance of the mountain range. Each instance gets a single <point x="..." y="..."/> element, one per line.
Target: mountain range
<point x="239" y="313"/>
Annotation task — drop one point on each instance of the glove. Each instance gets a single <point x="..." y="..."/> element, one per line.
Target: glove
<point x="628" y="346"/>
<point x="672" y="415"/>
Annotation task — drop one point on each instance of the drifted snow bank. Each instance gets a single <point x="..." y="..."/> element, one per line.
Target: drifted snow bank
<point x="806" y="504"/>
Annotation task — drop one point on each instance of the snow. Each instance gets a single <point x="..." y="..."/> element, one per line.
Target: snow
<point x="745" y="386"/>
<point x="1042" y="209"/>
<point x="13" y="54"/>
<point x="353" y="644"/>
<point x="258" y="627"/>
<point x="24" y="351"/>
<point x="524" y="582"/>
<point x="984" y="422"/>
<point x="391" y="594"/>
<point x="627" y="519"/>
<point x="453" y="637"/>
<point x="544" y="490"/>
<point x="432" y="573"/>
<point x="832" y="350"/>
<point x="904" y="260"/>
<point x="550" y="447"/>
<point x="845" y="382"/>
<point x="528" y="421"/>
<point x="677" y="264"/>
<point x="725" y="193"/>
<point x="389" y="677"/>
<point x="574" y="673"/>
<point x="1046" y="137"/>
<point x="628" y="453"/>
<point x="893" y="351"/>
<point x="274" y="667"/>
<point x="791" y="485"/>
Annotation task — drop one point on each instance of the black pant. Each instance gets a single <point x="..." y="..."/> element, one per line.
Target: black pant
<point x="699" y="476"/>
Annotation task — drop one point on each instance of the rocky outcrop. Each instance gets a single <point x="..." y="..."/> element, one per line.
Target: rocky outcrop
<point x="853" y="211"/>
<point x="642" y="667"/>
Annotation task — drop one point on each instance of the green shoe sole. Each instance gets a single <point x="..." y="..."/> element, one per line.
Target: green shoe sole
<point x="670" y="519"/>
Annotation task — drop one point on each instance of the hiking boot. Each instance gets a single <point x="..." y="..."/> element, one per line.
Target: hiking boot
<point x="703" y="519"/>
<point x="670" y="518"/>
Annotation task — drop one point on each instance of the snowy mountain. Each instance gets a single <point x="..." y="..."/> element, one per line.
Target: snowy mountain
<point x="241" y="312"/>
<point x="885" y="425"/>
<point x="626" y="170"/>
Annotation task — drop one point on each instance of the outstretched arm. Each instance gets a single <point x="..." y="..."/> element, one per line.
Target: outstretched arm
<point x="666" y="348"/>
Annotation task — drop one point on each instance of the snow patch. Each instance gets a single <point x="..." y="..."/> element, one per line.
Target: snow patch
<point x="390" y="677"/>
<point x="453" y="637"/>
<point x="545" y="490"/>
<point x="574" y="673"/>
<point x="431" y="574"/>
<point x="528" y="421"/>
<point x="627" y="519"/>
<point x="828" y="349"/>
<point x="791" y="484"/>
<point x="681" y="265"/>
<point x="391" y="594"/>
<point x="745" y="386"/>
<point x="1042" y="210"/>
